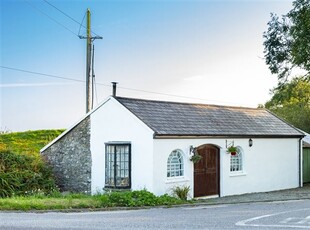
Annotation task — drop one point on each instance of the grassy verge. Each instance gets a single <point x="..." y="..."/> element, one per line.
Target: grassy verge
<point x="33" y="203"/>
<point x="81" y="201"/>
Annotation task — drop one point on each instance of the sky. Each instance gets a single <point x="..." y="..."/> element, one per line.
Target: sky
<point x="203" y="51"/>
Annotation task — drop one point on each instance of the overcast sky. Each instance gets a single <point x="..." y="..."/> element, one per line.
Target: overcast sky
<point x="201" y="51"/>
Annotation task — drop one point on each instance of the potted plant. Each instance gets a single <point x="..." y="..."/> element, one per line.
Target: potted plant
<point x="195" y="158"/>
<point x="232" y="150"/>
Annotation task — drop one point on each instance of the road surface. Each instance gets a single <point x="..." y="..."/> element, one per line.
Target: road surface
<point x="271" y="215"/>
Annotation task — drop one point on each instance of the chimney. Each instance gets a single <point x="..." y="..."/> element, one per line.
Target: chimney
<point x="114" y="89"/>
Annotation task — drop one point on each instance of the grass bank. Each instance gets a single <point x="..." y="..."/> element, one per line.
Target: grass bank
<point x="29" y="141"/>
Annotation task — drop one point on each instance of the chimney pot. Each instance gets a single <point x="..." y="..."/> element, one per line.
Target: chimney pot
<point x="114" y="88"/>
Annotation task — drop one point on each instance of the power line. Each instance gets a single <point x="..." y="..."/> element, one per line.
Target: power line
<point x="67" y="15"/>
<point x="61" y="11"/>
<point x="172" y="95"/>
<point x="108" y="85"/>
<point x="54" y="20"/>
<point x="42" y="74"/>
<point x="81" y="24"/>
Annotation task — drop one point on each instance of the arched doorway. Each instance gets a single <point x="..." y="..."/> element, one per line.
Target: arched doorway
<point x="207" y="172"/>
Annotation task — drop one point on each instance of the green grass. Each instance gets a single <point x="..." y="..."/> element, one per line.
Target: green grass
<point x="81" y="201"/>
<point x="29" y="141"/>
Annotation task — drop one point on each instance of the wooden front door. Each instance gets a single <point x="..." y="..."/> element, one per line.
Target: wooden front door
<point x="207" y="172"/>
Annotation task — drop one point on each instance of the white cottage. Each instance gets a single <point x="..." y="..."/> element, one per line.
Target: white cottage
<point x="128" y="143"/>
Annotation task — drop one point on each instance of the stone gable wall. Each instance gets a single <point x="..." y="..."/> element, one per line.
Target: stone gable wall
<point x="70" y="159"/>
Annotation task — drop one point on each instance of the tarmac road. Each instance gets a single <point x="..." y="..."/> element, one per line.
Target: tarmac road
<point x="294" y="214"/>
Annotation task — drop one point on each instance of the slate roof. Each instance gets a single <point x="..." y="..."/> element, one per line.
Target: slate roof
<point x="186" y="119"/>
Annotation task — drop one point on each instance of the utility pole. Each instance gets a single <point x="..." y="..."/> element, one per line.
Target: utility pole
<point x="89" y="62"/>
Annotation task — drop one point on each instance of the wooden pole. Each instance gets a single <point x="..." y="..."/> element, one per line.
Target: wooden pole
<point x="88" y="64"/>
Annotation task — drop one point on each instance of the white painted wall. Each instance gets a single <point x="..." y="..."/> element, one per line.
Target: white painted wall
<point x="113" y="122"/>
<point x="270" y="164"/>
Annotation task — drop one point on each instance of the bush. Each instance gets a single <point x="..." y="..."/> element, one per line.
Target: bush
<point x="134" y="199"/>
<point x="120" y="199"/>
<point x="22" y="174"/>
<point x="181" y="192"/>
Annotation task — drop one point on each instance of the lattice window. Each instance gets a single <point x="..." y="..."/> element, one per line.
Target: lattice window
<point x="117" y="166"/>
<point x="236" y="162"/>
<point x="175" y="164"/>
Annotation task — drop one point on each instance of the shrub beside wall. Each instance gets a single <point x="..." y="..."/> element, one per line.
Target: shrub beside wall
<point x="24" y="174"/>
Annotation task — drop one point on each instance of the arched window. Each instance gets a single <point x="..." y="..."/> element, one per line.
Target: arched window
<point x="236" y="162"/>
<point x="175" y="165"/>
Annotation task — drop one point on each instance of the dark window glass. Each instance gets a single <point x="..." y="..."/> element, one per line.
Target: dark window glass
<point x="117" y="170"/>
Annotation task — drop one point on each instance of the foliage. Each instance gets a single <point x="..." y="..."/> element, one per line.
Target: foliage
<point x="181" y="192"/>
<point x="196" y="158"/>
<point x="232" y="149"/>
<point x="135" y="199"/>
<point x="22" y="174"/>
<point x="27" y="142"/>
<point x="287" y="41"/>
<point x="291" y="102"/>
<point x="76" y="201"/>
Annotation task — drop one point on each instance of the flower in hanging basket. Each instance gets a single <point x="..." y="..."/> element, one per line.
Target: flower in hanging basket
<point x="195" y="158"/>
<point x="232" y="150"/>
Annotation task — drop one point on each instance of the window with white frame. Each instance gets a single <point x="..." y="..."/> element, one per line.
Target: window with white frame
<point x="236" y="161"/>
<point x="175" y="164"/>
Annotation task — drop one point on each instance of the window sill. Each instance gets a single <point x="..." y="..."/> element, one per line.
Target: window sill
<point x="176" y="180"/>
<point x="234" y="174"/>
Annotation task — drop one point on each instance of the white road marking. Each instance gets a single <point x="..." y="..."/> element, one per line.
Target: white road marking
<point x="305" y="220"/>
<point x="247" y="222"/>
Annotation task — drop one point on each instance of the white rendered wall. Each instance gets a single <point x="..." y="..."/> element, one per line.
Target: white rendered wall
<point x="113" y="122"/>
<point x="270" y="164"/>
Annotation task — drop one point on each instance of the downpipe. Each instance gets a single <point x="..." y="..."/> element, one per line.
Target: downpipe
<point x="300" y="163"/>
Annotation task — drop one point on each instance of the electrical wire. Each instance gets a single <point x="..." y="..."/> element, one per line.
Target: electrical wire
<point x="108" y="85"/>
<point x="171" y="95"/>
<point x="93" y="75"/>
<point x="61" y="11"/>
<point x="68" y="16"/>
<point x="54" y="20"/>
<point x="42" y="74"/>
<point x="81" y="24"/>
<point x="96" y="91"/>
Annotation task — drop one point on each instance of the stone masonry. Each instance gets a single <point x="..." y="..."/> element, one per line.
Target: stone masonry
<point x="70" y="159"/>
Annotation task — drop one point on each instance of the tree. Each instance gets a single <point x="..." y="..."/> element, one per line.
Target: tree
<point x="291" y="102"/>
<point x="287" y="42"/>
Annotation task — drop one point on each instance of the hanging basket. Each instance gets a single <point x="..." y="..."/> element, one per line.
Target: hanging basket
<point x="195" y="158"/>
<point x="232" y="150"/>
